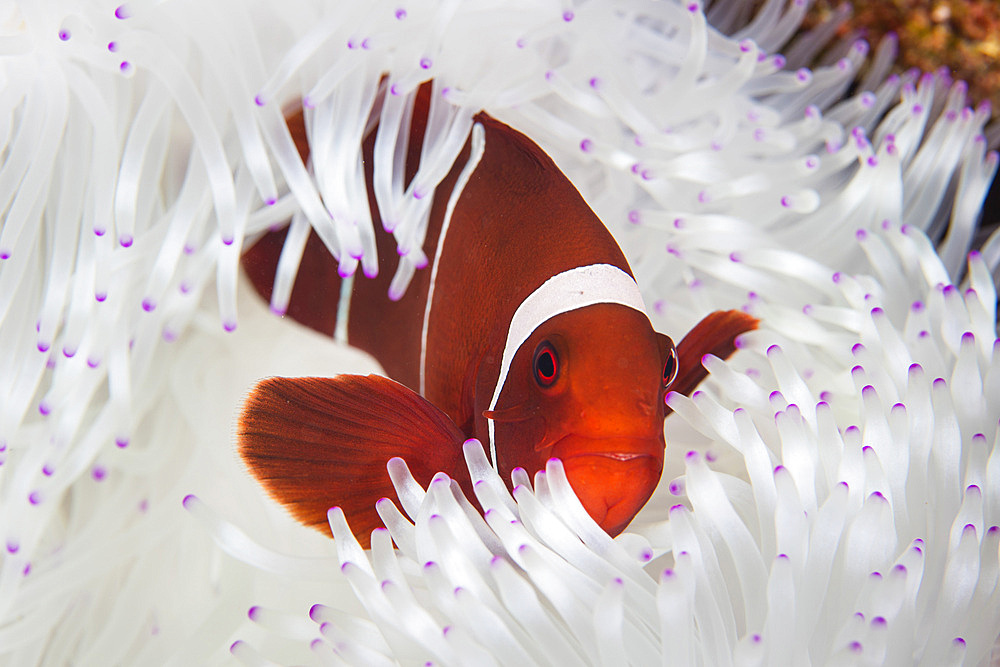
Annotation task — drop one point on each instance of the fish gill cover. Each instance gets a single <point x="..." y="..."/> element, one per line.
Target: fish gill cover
<point x="831" y="494"/>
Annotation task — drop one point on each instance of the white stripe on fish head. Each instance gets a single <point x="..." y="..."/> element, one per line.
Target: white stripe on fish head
<point x="563" y="292"/>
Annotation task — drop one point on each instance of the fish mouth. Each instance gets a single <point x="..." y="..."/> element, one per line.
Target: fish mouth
<point x="615" y="448"/>
<point x="621" y="457"/>
<point x="614" y="476"/>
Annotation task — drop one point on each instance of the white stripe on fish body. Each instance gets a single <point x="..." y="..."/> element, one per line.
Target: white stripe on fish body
<point x="563" y="292"/>
<point x="475" y="155"/>
<point x="343" y="309"/>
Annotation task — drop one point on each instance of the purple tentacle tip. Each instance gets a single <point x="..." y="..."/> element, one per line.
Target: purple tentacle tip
<point x="229" y="325"/>
<point x="122" y="12"/>
<point x="188" y="500"/>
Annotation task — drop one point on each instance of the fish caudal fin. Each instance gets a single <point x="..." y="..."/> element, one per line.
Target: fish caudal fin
<point x="317" y="443"/>
<point x="715" y="334"/>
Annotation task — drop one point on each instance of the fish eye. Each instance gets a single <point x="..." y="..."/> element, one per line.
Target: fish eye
<point x="546" y="364"/>
<point x="670" y="367"/>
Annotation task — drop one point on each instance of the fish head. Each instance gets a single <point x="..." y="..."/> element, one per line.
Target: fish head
<point x="587" y="387"/>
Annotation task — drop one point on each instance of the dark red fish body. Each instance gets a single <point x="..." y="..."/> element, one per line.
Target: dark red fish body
<point x="526" y="330"/>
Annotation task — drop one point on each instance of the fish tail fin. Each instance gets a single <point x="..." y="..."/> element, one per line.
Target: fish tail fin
<point x="715" y="334"/>
<point x="316" y="443"/>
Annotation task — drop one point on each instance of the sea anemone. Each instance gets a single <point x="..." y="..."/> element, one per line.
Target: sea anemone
<point x="830" y="495"/>
<point x="854" y="524"/>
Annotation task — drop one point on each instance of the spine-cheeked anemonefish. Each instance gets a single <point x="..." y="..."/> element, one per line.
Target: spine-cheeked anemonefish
<point x="526" y="331"/>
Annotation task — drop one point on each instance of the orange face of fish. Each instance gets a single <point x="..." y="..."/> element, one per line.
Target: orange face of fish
<point x="587" y="387"/>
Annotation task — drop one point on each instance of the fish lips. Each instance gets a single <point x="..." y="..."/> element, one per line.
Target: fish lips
<point x="612" y="476"/>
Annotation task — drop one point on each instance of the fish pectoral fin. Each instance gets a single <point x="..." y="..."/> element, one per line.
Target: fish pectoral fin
<point x="715" y="334"/>
<point x="315" y="443"/>
<point x="515" y="413"/>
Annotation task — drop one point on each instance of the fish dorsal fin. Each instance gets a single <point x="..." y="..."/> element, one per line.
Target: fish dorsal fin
<point x="315" y="443"/>
<point x="715" y="334"/>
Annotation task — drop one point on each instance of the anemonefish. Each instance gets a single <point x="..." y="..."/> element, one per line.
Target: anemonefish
<point x="527" y="331"/>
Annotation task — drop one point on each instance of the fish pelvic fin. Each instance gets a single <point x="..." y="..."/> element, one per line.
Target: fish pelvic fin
<point x="315" y="443"/>
<point x="715" y="334"/>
